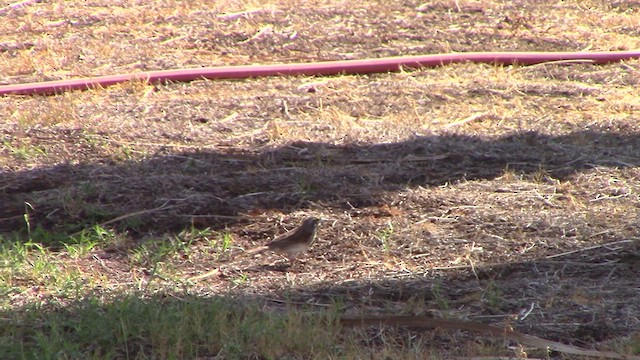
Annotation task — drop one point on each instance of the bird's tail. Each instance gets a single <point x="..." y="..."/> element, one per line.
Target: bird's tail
<point x="257" y="250"/>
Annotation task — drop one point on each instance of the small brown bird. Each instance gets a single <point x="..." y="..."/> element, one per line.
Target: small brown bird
<point x="292" y="242"/>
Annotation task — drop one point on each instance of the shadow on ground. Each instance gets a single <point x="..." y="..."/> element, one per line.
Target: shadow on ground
<point x="581" y="297"/>
<point x="584" y="304"/>
<point x="212" y="188"/>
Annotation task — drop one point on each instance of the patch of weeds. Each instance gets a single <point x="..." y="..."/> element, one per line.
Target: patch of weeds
<point x="191" y="166"/>
<point x="630" y="345"/>
<point x="388" y="343"/>
<point x="542" y="176"/>
<point x="71" y="283"/>
<point x="181" y="247"/>
<point x="52" y="239"/>
<point x="126" y="153"/>
<point x="93" y="214"/>
<point x="385" y="236"/>
<point x="510" y="174"/>
<point x="15" y="252"/>
<point x="40" y="265"/>
<point x="139" y="255"/>
<point x="220" y="243"/>
<point x="487" y="348"/>
<point x="88" y="239"/>
<point x="436" y="291"/>
<point x="161" y="327"/>
<point x="72" y="204"/>
<point x="184" y="241"/>
<point x="193" y="233"/>
<point x="148" y="253"/>
<point x="52" y="111"/>
<point x="492" y="295"/>
<point x="240" y="280"/>
<point x="24" y="151"/>
<point x="57" y="240"/>
<point x="95" y="141"/>
<point x="155" y="250"/>
<point x="102" y="234"/>
<point x="165" y="271"/>
<point x="13" y="257"/>
<point x="28" y="264"/>
<point x="305" y="185"/>
<point x="225" y="241"/>
<point x="416" y="304"/>
<point x="135" y="223"/>
<point x="81" y="210"/>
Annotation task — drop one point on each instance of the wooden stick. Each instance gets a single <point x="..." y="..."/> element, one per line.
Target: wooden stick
<point x="491" y="330"/>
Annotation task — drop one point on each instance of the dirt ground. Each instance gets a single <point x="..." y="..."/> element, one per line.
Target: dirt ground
<point x="468" y="191"/>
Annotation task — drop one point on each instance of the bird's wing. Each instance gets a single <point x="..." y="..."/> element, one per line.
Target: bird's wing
<point x="258" y="249"/>
<point x="286" y="237"/>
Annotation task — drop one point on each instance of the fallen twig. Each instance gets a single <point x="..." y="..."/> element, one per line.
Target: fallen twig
<point x="589" y="248"/>
<point x="491" y="330"/>
<point x="209" y="273"/>
<point x="236" y="15"/>
<point x="136" y="213"/>
<point x="265" y="30"/>
<point x="469" y="119"/>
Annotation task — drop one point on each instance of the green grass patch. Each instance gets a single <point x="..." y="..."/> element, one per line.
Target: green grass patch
<point x="164" y="328"/>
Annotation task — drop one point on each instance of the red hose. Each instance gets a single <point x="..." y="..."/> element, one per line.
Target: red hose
<point x="321" y="68"/>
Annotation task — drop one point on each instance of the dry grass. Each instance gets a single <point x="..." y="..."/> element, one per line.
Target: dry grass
<point x="490" y="170"/>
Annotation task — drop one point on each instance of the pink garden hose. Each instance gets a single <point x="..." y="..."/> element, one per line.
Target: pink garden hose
<point x="318" y="69"/>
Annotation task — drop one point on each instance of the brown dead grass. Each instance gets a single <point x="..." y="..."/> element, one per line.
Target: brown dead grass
<point x="490" y="170"/>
